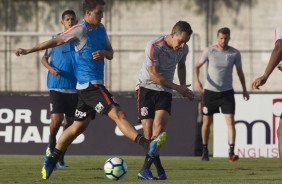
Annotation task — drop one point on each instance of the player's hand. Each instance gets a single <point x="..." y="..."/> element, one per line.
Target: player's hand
<point x="54" y="71"/>
<point x="259" y="82"/>
<point x="280" y="66"/>
<point x="246" y="95"/>
<point x="198" y="87"/>
<point x="185" y="91"/>
<point x="21" y="51"/>
<point x="99" y="54"/>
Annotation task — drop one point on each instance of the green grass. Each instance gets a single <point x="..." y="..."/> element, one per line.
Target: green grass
<point x="180" y="170"/>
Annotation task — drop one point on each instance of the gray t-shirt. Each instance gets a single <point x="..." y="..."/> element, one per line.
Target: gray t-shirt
<point x="158" y="54"/>
<point x="220" y="67"/>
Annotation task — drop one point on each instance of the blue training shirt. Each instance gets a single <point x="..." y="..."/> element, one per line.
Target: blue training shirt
<point x="61" y="59"/>
<point x="86" y="40"/>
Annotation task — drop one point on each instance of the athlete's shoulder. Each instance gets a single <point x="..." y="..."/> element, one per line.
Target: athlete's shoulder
<point x="211" y="48"/>
<point x="74" y="29"/>
<point x="233" y="50"/>
<point x="157" y="41"/>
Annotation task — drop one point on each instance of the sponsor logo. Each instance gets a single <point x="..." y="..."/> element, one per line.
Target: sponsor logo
<point x="80" y="114"/>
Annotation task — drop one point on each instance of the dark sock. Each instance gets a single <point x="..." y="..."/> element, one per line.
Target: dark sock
<point x="62" y="157"/>
<point x="158" y="164"/>
<point x="52" y="141"/>
<point x="57" y="154"/>
<point x="148" y="162"/>
<point x="140" y="140"/>
<point x="205" y="147"/>
<point x="231" y="149"/>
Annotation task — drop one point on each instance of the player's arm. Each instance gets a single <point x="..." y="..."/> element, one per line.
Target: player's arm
<point x="157" y="78"/>
<point x="44" y="45"/>
<point x="181" y="70"/>
<point x="201" y="61"/>
<point x="45" y="62"/>
<point x="275" y="58"/>
<point x="243" y="83"/>
<point x="108" y="53"/>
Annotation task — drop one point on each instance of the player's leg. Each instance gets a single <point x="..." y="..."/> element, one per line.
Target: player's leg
<point x="83" y="116"/>
<point x="207" y="121"/>
<point x="279" y="134"/>
<point x="57" y="117"/>
<point x="64" y="141"/>
<point x="55" y="124"/>
<point x="145" y="172"/>
<point x="210" y="106"/>
<point x="67" y="123"/>
<point x="70" y="104"/>
<point x="228" y="109"/>
<point x="160" y="121"/>
<point x="229" y="118"/>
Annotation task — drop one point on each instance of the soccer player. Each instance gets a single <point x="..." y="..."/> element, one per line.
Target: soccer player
<point x="218" y="90"/>
<point x="275" y="58"/>
<point x="90" y="45"/>
<point x="155" y="85"/>
<point x="61" y="83"/>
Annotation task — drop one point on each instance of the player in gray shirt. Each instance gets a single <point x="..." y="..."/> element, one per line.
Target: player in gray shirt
<point x="218" y="91"/>
<point x="155" y="85"/>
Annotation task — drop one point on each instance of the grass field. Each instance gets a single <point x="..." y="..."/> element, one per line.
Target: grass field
<point x="180" y="170"/>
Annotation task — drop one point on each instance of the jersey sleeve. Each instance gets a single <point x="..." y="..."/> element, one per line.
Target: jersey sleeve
<point x="73" y="34"/>
<point x="204" y="56"/>
<point x="152" y="54"/>
<point x="238" y="62"/>
<point x="278" y="33"/>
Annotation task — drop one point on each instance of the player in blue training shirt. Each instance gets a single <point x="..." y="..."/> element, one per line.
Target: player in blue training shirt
<point x="90" y="46"/>
<point x="61" y="82"/>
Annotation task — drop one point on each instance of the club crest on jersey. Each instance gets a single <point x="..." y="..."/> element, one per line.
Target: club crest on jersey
<point x="144" y="111"/>
<point x="230" y="57"/>
<point x="99" y="107"/>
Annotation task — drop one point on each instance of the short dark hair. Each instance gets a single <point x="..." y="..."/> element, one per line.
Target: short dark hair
<point x="182" y="26"/>
<point x="68" y="12"/>
<point x="224" y="30"/>
<point x="88" y="5"/>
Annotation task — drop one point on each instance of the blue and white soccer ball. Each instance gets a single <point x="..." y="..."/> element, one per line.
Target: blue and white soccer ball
<point x="115" y="168"/>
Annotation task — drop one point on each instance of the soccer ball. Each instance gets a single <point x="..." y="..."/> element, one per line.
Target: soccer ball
<point x="115" y="168"/>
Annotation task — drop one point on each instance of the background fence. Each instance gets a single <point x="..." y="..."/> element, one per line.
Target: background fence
<point x="131" y="24"/>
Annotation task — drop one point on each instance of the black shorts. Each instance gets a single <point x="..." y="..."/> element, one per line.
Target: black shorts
<point x="95" y="98"/>
<point x="212" y="101"/>
<point x="148" y="101"/>
<point x="63" y="103"/>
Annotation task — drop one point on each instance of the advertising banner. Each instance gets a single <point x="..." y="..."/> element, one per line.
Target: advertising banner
<point x="24" y="129"/>
<point x="256" y="123"/>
